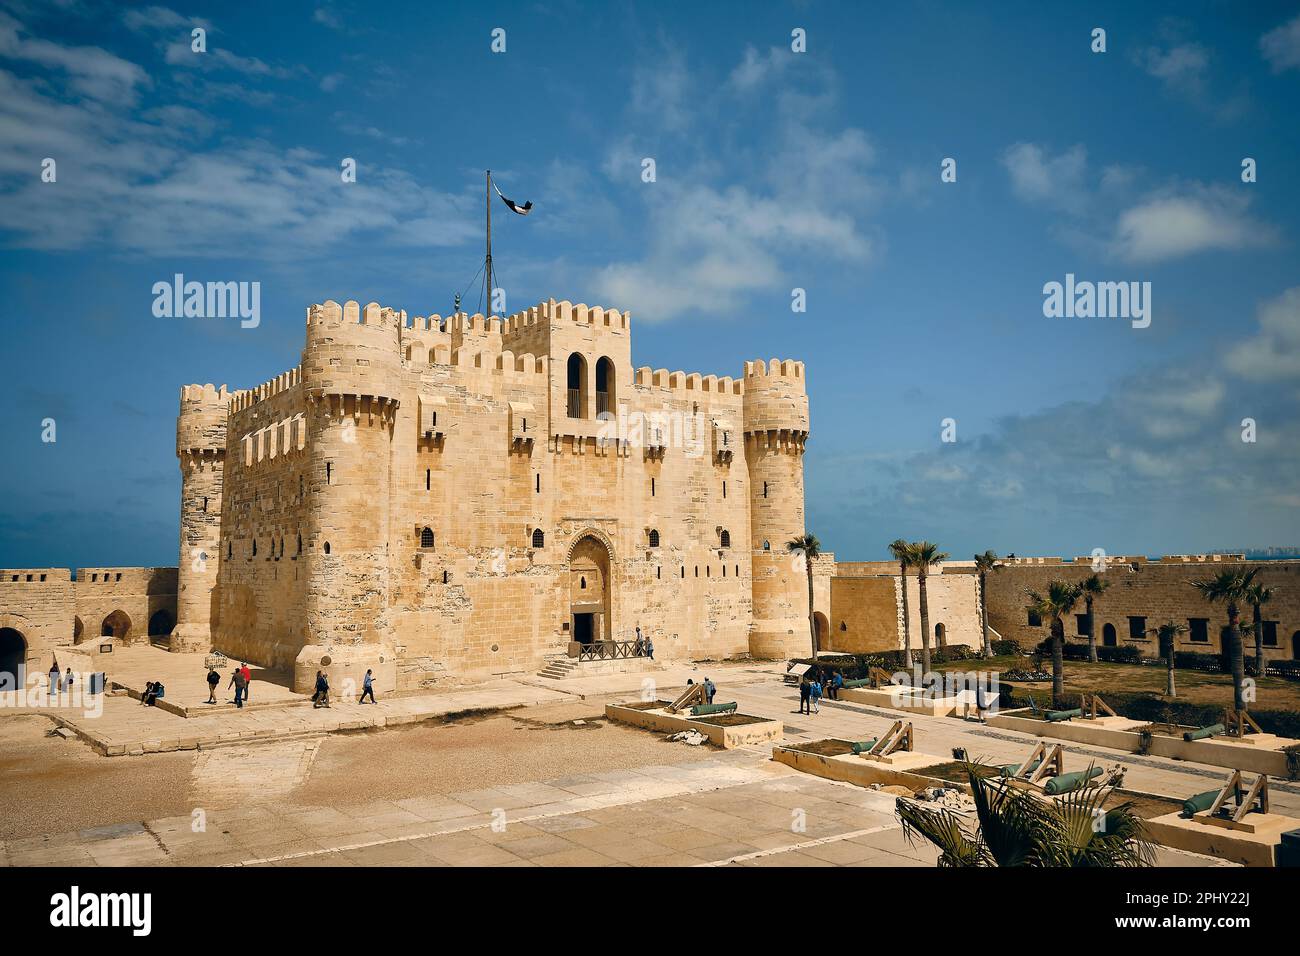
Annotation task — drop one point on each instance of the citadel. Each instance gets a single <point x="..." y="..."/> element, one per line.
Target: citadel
<point x="471" y="497"/>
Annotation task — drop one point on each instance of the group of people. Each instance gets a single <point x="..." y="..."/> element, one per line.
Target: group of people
<point x="813" y="688"/>
<point x="710" y="689"/>
<point x="60" y="681"/>
<point x="241" y="679"/>
<point x="644" y="647"/>
<point x="153" y="690"/>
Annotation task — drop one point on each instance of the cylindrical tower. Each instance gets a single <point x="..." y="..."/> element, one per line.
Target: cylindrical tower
<point x="201" y="448"/>
<point x="776" y="427"/>
<point x="351" y="371"/>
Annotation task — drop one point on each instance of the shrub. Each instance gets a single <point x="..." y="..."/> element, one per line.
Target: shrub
<point x="1005" y="648"/>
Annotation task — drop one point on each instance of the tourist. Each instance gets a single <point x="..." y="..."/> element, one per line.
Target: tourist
<point x="241" y="685"/>
<point x="837" y="684"/>
<point x="152" y="691"/>
<point x="67" y="679"/>
<point x="805" y="694"/>
<point x="649" y="648"/>
<point x="248" y="681"/>
<point x="322" y="695"/>
<point x="368" y="689"/>
<point x="148" y="689"/>
<point x="213" y="680"/>
<point x="816" y="695"/>
<point x="639" y="648"/>
<point x="709" y="690"/>
<point x="54" y="677"/>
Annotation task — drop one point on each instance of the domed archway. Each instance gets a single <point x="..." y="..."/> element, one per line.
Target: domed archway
<point x="117" y="624"/>
<point x="13" y="658"/>
<point x="589" y="591"/>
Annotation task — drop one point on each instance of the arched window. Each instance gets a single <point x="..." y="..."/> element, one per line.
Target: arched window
<point x="539" y="539"/>
<point x="725" y="538"/>
<point x="767" y="546"/>
<point x="426" y="538"/>
<point x="605" y="404"/>
<point x="327" y="547"/>
<point x="582" y="583"/>
<point x="654" y="538"/>
<point x="576" y="377"/>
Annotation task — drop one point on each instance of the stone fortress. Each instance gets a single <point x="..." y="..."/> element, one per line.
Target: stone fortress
<point x="469" y="497"/>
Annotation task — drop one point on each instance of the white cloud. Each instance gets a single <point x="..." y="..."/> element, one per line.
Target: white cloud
<point x="1281" y="46"/>
<point x="92" y="71"/>
<point x="1272" y="354"/>
<point x="1181" y="68"/>
<point x="1039" y="177"/>
<point x="1200" y="220"/>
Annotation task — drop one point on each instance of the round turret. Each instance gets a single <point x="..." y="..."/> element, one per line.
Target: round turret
<point x="201" y="449"/>
<point x="776" y="430"/>
<point x="352" y="351"/>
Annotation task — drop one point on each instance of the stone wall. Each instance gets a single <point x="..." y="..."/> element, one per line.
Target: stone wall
<point x="1153" y="591"/>
<point x="867" y="610"/>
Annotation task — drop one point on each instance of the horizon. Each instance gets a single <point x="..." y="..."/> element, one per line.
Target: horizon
<point x="776" y="172"/>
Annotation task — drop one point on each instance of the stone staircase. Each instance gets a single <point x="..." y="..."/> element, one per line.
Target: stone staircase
<point x="558" y="668"/>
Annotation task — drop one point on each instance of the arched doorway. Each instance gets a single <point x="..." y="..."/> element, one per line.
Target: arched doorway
<point x="13" y="658"/>
<point x="576" y="379"/>
<point x="117" y="624"/>
<point x="823" y="631"/>
<point x="940" y="636"/>
<point x="78" y="630"/>
<point x="1108" y="636"/>
<point x="589" y="590"/>
<point x="161" y="623"/>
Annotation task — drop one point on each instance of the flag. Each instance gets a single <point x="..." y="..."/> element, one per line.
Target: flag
<point x="523" y="210"/>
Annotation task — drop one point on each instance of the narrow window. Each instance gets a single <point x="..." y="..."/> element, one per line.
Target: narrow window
<point x="683" y="570"/>
<point x="767" y="546"/>
<point x="329" y="472"/>
<point x="327" y="547"/>
<point x="537" y="484"/>
<point x="724" y="570"/>
<point x="659" y="574"/>
<point x="697" y="570"/>
<point x="582" y="584"/>
<point x="426" y="538"/>
<point x="654" y="538"/>
<point x="428" y="478"/>
<point x="300" y="544"/>
<point x="539" y="539"/>
<point x="254" y="547"/>
<point x="724" y="488"/>
<point x="205" y="503"/>
<point x="765" y="489"/>
<point x="737" y="570"/>
<point x="230" y="550"/>
<point x="726" y="538"/>
<point x="445" y="577"/>
<point x="652" y="487"/>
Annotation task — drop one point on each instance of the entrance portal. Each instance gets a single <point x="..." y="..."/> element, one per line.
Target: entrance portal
<point x="589" y="591"/>
<point x="1108" y="638"/>
<point x="13" y="658"/>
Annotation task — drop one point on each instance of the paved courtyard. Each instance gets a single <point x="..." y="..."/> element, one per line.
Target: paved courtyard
<point x="515" y="773"/>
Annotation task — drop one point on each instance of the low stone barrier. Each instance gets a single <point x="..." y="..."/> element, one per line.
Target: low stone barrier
<point x="726" y="730"/>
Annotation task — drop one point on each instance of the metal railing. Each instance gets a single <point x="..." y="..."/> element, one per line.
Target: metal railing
<point x="575" y="403"/>
<point x="611" y="650"/>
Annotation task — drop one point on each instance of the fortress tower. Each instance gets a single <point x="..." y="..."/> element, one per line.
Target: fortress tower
<point x="351" y="373"/>
<point x="776" y="428"/>
<point x="201" y="448"/>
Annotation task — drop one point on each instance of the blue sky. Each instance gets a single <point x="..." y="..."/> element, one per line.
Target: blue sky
<point x="775" y="170"/>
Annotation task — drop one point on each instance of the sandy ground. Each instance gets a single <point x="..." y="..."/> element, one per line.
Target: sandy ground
<point x="52" y="785"/>
<point x="519" y="746"/>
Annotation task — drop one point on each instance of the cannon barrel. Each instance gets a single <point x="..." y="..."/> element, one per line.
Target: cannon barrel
<point x="862" y="746"/>
<point x="1064" y="783"/>
<point x="1057" y="715"/>
<point x="702" y="710"/>
<point x="1203" y="732"/>
<point x="1198" y="802"/>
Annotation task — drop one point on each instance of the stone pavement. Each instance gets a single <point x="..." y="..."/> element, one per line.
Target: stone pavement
<point x="735" y="808"/>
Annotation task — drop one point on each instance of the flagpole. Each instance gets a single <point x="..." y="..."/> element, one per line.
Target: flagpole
<point x="487" y="267"/>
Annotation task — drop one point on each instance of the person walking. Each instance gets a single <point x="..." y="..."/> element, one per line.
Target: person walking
<point x="322" y="695"/>
<point x="710" y="689"/>
<point x="805" y="694"/>
<point x="241" y="685"/>
<point x="248" y="681"/>
<point x="368" y="689"/>
<point x="816" y="695"/>
<point x="213" y="680"/>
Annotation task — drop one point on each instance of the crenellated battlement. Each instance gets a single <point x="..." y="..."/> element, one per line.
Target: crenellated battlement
<point x="250" y="397"/>
<point x="208" y="393"/>
<point x="583" y="314"/>
<point x="776" y="368"/>
<point x="683" y="384"/>
<point x="329" y="313"/>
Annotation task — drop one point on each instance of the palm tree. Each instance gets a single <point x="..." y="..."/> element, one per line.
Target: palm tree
<point x="1016" y="828"/>
<point x="922" y="555"/>
<point x="1168" y="636"/>
<point x="1094" y="586"/>
<point x="1058" y="601"/>
<point x="1230" y="587"/>
<point x="984" y="563"/>
<point x="809" y="547"/>
<point x="1257" y="596"/>
<point x="898" y="549"/>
